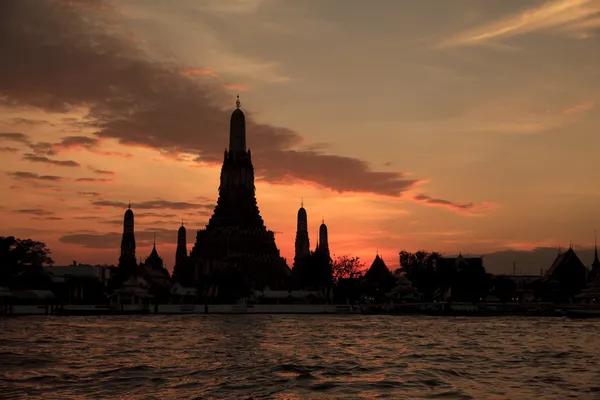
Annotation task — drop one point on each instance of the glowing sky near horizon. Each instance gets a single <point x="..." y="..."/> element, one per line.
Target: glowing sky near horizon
<point x="452" y="126"/>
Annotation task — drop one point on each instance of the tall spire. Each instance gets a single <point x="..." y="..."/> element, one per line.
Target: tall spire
<point x="237" y="130"/>
<point x="302" y="243"/>
<point x="302" y="202"/>
<point x="127" y="258"/>
<point x="154" y="244"/>
<point x="129" y="206"/>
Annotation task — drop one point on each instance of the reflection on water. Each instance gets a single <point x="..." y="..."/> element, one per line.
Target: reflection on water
<point x="289" y="357"/>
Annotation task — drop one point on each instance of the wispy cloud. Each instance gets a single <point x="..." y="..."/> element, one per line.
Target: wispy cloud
<point x="580" y="108"/>
<point x="46" y="160"/>
<point x="34" y="177"/>
<point x="35" y="211"/>
<point x="103" y="172"/>
<point x="154" y="205"/>
<point x="461" y="208"/>
<point x="14" y="137"/>
<point x="198" y="72"/>
<point x="236" y="87"/>
<point x="93" y="180"/>
<point x="563" y="14"/>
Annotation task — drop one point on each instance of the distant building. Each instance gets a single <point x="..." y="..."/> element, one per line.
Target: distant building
<point x="181" y="254"/>
<point x="302" y="242"/>
<point x="323" y="243"/>
<point x="378" y="278"/>
<point x="80" y="283"/>
<point x="566" y="276"/>
<point x="127" y="260"/>
<point x="156" y="276"/>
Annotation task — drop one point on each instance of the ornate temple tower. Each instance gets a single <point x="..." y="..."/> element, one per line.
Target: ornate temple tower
<point x="181" y="252"/>
<point x="236" y="237"/>
<point x="302" y="242"/>
<point x="323" y="245"/>
<point x="127" y="259"/>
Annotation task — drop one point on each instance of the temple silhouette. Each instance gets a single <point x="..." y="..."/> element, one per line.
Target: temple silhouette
<point x="236" y="246"/>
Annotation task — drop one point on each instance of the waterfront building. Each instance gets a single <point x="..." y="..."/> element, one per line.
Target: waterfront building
<point x="235" y="251"/>
<point x="566" y="276"/>
<point x="379" y="279"/>
<point x="80" y="283"/>
<point x="152" y="270"/>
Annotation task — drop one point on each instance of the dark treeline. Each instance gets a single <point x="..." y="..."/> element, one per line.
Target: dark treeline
<point x="422" y="276"/>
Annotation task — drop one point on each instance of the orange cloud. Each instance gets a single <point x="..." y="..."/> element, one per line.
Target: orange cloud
<point x="580" y="108"/>
<point x="237" y="87"/>
<point x="198" y="72"/>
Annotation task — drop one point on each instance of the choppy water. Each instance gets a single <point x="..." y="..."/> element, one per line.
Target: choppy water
<point x="298" y="357"/>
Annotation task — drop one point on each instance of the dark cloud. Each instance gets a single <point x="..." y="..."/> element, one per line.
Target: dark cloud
<point x="153" y="214"/>
<point x="112" y="222"/>
<point x="35" y="211"/>
<point x="468" y="208"/>
<point x="34" y="177"/>
<point x="48" y="218"/>
<point x="14" y="136"/>
<point x="30" y="122"/>
<point x="153" y="205"/>
<point x="103" y="172"/>
<point x="8" y="149"/>
<point x="93" y="194"/>
<point x="43" y="148"/>
<point x="46" y="160"/>
<point x="60" y="59"/>
<point x="96" y="180"/>
<point x="112" y="240"/>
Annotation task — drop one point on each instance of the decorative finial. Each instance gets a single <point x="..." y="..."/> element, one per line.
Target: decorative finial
<point x="129" y="206"/>
<point x="237" y="102"/>
<point x="595" y="243"/>
<point x="323" y="220"/>
<point x="302" y="202"/>
<point x="181" y="221"/>
<point x="154" y="239"/>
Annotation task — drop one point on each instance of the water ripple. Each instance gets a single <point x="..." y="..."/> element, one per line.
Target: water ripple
<point x="283" y="357"/>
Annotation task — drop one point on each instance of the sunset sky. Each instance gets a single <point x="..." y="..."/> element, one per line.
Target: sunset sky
<point x="458" y="126"/>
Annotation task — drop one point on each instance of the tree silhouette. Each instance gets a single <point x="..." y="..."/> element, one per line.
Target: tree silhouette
<point x="21" y="261"/>
<point x="347" y="267"/>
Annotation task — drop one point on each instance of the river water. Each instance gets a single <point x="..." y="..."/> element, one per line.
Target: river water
<point x="298" y="357"/>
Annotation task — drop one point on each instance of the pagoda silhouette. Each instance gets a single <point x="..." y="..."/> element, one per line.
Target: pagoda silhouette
<point x="236" y="252"/>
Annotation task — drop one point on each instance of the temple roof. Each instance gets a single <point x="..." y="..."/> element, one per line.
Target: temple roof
<point x="564" y="263"/>
<point x="378" y="270"/>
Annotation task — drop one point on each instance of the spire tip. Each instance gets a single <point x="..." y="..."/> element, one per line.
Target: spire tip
<point x="237" y="102"/>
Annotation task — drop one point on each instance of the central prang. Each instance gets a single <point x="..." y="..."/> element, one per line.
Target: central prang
<point x="236" y="253"/>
